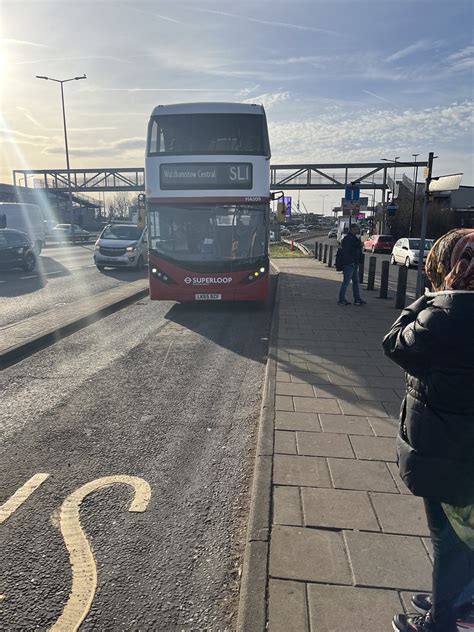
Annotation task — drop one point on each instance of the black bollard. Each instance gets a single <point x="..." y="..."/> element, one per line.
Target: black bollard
<point x="361" y="268"/>
<point x="384" y="279"/>
<point x="315" y="249"/>
<point x="401" y="287"/>
<point x="371" y="278"/>
<point x="325" y="253"/>
<point x="320" y="253"/>
<point x="331" y="251"/>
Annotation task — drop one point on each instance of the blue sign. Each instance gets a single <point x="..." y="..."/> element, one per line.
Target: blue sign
<point x="352" y="193"/>
<point x="287" y="201"/>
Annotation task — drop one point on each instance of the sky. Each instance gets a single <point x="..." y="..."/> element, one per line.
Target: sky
<point x="341" y="80"/>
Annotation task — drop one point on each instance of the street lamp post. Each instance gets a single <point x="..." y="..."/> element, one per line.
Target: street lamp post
<point x="415" y="178"/>
<point x="323" y="196"/>
<point x="61" y="82"/>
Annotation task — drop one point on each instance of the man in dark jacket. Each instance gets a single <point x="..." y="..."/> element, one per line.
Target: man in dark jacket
<point x="433" y="341"/>
<point x="351" y="253"/>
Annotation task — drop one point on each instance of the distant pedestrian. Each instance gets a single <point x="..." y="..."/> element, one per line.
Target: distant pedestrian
<point x="433" y="340"/>
<point x="351" y="247"/>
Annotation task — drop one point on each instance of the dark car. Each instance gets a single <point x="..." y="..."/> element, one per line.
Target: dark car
<point x="16" y="250"/>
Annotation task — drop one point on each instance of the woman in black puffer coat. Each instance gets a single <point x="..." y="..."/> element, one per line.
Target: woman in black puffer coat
<point x="433" y="341"/>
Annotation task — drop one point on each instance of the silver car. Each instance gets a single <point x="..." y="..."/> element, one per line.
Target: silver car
<point x="121" y="246"/>
<point x="407" y="251"/>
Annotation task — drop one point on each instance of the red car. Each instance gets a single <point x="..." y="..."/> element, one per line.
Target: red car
<point x="379" y="243"/>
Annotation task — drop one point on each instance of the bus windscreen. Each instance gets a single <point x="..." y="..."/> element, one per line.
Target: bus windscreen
<point x="208" y="232"/>
<point x="205" y="134"/>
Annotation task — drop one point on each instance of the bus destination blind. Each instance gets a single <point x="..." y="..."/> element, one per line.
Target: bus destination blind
<point x="206" y="175"/>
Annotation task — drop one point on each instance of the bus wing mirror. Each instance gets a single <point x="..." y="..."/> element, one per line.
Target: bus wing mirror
<point x="277" y="195"/>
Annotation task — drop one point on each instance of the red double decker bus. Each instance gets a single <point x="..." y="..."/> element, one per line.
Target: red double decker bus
<point x="207" y="177"/>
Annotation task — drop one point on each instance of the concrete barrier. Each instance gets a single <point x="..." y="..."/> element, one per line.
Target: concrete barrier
<point x="371" y="277"/>
<point x="384" y="279"/>
<point x="401" y="287"/>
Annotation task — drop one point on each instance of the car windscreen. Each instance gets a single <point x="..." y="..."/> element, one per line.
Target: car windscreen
<point x="414" y="244"/>
<point x="117" y="231"/>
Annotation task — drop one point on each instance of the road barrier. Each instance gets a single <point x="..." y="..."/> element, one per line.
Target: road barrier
<point x="361" y="268"/>
<point x="401" y="287"/>
<point x="325" y="253"/>
<point x="331" y="251"/>
<point x="371" y="277"/>
<point x="384" y="279"/>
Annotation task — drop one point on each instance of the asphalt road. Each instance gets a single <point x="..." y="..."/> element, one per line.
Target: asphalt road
<point x="165" y="392"/>
<point x="64" y="273"/>
<point x="393" y="270"/>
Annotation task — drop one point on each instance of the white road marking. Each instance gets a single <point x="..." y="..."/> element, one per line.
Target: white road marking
<point x="21" y="495"/>
<point x="84" y="571"/>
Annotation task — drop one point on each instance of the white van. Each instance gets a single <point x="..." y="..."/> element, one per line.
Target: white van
<point x="121" y="246"/>
<point x="27" y="218"/>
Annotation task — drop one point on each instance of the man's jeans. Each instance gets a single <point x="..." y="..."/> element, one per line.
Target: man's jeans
<point x="351" y="273"/>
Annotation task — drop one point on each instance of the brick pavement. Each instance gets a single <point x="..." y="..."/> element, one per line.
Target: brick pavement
<point x="348" y="540"/>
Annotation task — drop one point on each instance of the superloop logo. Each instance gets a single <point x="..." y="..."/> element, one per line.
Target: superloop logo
<point x="219" y="280"/>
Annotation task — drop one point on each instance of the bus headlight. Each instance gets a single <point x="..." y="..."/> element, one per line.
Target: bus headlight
<point x="164" y="277"/>
<point x="254" y="276"/>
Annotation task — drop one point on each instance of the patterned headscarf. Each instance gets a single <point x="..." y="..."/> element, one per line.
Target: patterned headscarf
<point x="450" y="262"/>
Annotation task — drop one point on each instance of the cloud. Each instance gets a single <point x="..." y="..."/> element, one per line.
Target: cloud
<point x="462" y="59"/>
<point x="270" y="100"/>
<point x="119" y="149"/>
<point x="24" y="43"/>
<point x="468" y="51"/>
<point x="80" y="58"/>
<point x="348" y="135"/>
<point x="413" y="48"/>
<point x="377" y="96"/>
<point x="168" y="90"/>
<point x="12" y="136"/>
<point x="285" y="25"/>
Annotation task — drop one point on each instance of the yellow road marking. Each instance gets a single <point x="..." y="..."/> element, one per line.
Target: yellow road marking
<point x="84" y="572"/>
<point x="21" y="495"/>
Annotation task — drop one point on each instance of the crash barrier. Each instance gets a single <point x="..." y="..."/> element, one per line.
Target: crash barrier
<point x="301" y="247"/>
<point x="401" y="287"/>
<point x="384" y="279"/>
<point x="330" y="256"/>
<point x="371" y="277"/>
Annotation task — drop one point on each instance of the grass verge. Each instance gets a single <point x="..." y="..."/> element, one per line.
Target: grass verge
<point x="281" y="250"/>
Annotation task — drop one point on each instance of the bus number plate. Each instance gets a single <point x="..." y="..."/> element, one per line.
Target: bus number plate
<point x="208" y="297"/>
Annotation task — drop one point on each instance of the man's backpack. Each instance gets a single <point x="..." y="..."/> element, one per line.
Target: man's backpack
<point x="339" y="259"/>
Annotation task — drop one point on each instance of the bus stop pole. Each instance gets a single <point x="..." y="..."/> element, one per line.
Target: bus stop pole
<point x="424" y="222"/>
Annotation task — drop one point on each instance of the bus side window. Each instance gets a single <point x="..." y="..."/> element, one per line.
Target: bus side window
<point x="153" y="147"/>
<point x="3" y="220"/>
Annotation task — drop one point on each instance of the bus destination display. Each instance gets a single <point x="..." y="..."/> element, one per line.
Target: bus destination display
<point x="206" y="175"/>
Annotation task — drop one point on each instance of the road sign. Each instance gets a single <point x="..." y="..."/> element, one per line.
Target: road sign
<point x="352" y="192"/>
<point x="287" y="207"/>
